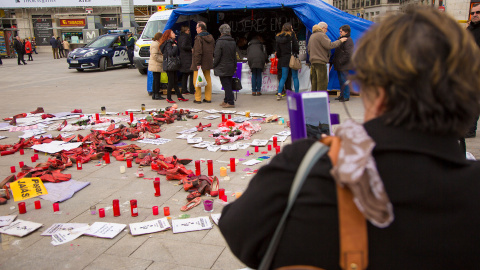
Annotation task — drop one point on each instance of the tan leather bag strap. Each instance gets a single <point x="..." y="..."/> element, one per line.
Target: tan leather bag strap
<point x="352" y="224"/>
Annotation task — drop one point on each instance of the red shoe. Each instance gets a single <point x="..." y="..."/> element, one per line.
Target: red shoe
<point x="77" y="111"/>
<point x="170" y="101"/>
<point x="64" y="123"/>
<point x="183" y="99"/>
<point x="38" y="110"/>
<point x="214" y="191"/>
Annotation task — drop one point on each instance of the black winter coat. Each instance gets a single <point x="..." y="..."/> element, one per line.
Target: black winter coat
<point x="185" y="47"/>
<point x="343" y="55"/>
<point x="256" y="55"/>
<point x="285" y="45"/>
<point x="18" y="46"/>
<point x="434" y="190"/>
<point x="53" y="42"/>
<point x="168" y="50"/>
<point x="225" y="57"/>
<point x="474" y="28"/>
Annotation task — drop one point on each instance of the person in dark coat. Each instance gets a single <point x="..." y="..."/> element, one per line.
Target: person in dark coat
<point x="20" y="49"/>
<point x="286" y="45"/>
<point x="341" y="62"/>
<point x="257" y="58"/>
<point x="225" y="63"/>
<point x="202" y="57"/>
<point x="60" y="48"/>
<point x="474" y="28"/>
<point x="185" y="46"/>
<point x="53" y="43"/>
<point x="405" y="160"/>
<point x="169" y="49"/>
<point x="130" y="47"/>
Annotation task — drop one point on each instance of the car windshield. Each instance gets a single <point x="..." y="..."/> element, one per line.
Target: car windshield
<point x="101" y="41"/>
<point x="152" y="28"/>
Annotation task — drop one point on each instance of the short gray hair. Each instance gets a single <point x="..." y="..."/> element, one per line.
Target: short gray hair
<point x="224" y="29"/>
<point x="322" y="24"/>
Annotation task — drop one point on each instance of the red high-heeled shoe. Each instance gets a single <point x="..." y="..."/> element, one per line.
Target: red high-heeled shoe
<point x="170" y="101"/>
<point x="214" y="191"/>
<point x="183" y="99"/>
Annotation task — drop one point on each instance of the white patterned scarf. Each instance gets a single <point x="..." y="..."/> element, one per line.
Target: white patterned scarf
<point x="357" y="170"/>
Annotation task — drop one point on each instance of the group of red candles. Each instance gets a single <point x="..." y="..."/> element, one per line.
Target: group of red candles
<point x="133" y="209"/>
<point x="22" y="209"/>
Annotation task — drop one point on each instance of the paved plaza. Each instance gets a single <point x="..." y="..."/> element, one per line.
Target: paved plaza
<point x="48" y="83"/>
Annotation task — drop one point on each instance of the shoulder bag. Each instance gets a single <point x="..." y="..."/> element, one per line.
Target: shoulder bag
<point x="295" y="62"/>
<point x="236" y="84"/>
<point x="352" y="224"/>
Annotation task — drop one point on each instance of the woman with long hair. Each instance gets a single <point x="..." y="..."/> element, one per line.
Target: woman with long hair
<point x="287" y="44"/>
<point x="155" y="65"/>
<point x="169" y="48"/>
<point x="185" y="46"/>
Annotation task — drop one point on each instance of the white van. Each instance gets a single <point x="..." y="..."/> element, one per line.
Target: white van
<point x="155" y="24"/>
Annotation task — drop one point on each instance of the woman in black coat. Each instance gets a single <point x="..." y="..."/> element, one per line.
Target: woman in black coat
<point x="169" y="49"/>
<point x="185" y="46"/>
<point x="257" y="58"/>
<point x="286" y="45"/>
<point x="225" y="63"/>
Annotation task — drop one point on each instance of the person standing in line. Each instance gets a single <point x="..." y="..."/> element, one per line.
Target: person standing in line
<point x="202" y="58"/>
<point x="225" y="63"/>
<point x="286" y="46"/>
<point x="319" y="48"/>
<point x="169" y="49"/>
<point x="257" y="58"/>
<point x="53" y="42"/>
<point x="20" y="49"/>
<point x="130" y="47"/>
<point x="60" y="47"/>
<point x="155" y="66"/>
<point x="341" y="62"/>
<point x="34" y="45"/>
<point x="185" y="47"/>
<point x="66" y="47"/>
<point x="474" y="28"/>
<point x="28" y="49"/>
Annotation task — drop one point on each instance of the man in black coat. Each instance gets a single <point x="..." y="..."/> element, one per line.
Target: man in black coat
<point x="341" y="62"/>
<point x="225" y="64"/>
<point x="54" y="44"/>
<point x="474" y="28"/>
<point x="257" y="58"/>
<point x="185" y="46"/>
<point x="20" y="49"/>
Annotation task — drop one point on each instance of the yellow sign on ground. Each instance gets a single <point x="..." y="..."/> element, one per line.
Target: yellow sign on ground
<point x="27" y="188"/>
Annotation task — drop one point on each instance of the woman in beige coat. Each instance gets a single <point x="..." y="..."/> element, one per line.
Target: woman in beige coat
<point x="155" y="65"/>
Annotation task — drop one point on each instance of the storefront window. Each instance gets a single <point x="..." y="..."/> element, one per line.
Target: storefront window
<point x="73" y="37"/>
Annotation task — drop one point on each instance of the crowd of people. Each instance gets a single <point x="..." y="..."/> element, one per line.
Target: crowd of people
<point x="22" y="47"/>
<point x="60" y="48"/>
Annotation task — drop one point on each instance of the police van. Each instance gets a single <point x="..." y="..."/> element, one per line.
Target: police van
<point x="155" y="24"/>
<point x="107" y="50"/>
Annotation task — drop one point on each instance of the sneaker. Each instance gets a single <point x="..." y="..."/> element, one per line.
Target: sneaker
<point x="197" y="102"/>
<point x="207" y="101"/>
<point x="284" y="93"/>
<point x="222" y="104"/>
<point x="339" y="98"/>
<point x="279" y="96"/>
<point x="344" y="99"/>
<point x="228" y="105"/>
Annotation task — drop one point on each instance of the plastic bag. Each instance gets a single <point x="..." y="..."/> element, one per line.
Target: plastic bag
<point x="273" y="66"/>
<point x="200" y="81"/>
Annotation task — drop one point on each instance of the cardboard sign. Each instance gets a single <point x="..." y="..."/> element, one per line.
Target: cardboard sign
<point x="27" y="188"/>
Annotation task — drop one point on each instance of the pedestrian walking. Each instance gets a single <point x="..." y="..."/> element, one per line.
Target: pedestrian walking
<point x="66" y="47"/>
<point x="341" y="62"/>
<point x="202" y="58"/>
<point x="185" y="47"/>
<point x="225" y="63"/>
<point x="286" y="46"/>
<point x="34" y="45"/>
<point x="20" y="49"/>
<point x="169" y="49"/>
<point x="53" y="43"/>
<point x="257" y="58"/>
<point x="60" y="47"/>
<point x="28" y="49"/>
<point x="155" y="66"/>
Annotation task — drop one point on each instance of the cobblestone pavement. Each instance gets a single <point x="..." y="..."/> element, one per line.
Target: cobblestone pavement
<point x="50" y="84"/>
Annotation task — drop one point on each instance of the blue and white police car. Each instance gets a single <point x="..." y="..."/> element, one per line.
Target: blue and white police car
<point x="107" y="50"/>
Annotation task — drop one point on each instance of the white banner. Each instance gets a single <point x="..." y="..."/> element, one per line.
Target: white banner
<point x="83" y="3"/>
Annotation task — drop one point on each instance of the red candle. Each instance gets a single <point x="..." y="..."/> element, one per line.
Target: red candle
<point x="256" y="149"/>
<point x="156" y="185"/>
<point x="155" y="210"/>
<point x="12" y="169"/>
<point x="21" y="208"/>
<point x="129" y="162"/>
<point x="133" y="208"/>
<point x="223" y="118"/>
<point x="277" y="149"/>
<point x="56" y="207"/>
<point x="36" y="157"/>
<point x="274" y="141"/>
<point x="210" y="167"/>
<point x="166" y="211"/>
<point x="229" y="116"/>
<point x="106" y="157"/>
<point x="197" y="167"/>
<point x="269" y="147"/>
<point x="22" y="152"/>
<point x="232" y="164"/>
<point x="79" y="165"/>
<point x="21" y="164"/>
<point x="131" y="117"/>
<point x="97" y="117"/>
<point x="116" y="208"/>
<point x="221" y="192"/>
<point x="32" y="158"/>
<point x="224" y="198"/>
<point x="101" y="212"/>
<point x="38" y="204"/>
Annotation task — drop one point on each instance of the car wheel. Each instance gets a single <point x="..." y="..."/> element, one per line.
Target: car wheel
<point x="80" y="69"/>
<point x="143" y="71"/>
<point x="103" y="64"/>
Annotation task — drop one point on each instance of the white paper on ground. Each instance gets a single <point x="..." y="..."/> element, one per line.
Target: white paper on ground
<point x="203" y="144"/>
<point x="105" y="230"/>
<point x="152" y="226"/>
<point x="6" y="220"/>
<point x="32" y="133"/>
<point x="279" y="138"/>
<point x="56" y="146"/>
<point x="227" y="111"/>
<point x="20" y="228"/>
<point x="258" y="142"/>
<point x="62" y="227"/>
<point x="187" y="136"/>
<point x="212" y="111"/>
<point x="63" y="237"/>
<point x="194" y="110"/>
<point x="194" y="140"/>
<point x="187" y="131"/>
<point x="211" y="117"/>
<point x="213" y="148"/>
<point x="243" y="145"/>
<point x="191" y="224"/>
<point x="216" y="218"/>
<point x="251" y="162"/>
<point x="59" y="192"/>
<point x="284" y="133"/>
<point x="226" y="147"/>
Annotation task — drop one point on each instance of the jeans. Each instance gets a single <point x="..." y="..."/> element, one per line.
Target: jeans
<point x="344" y="88"/>
<point x="185" y="80"/>
<point x="296" y="83"/>
<point x="156" y="84"/>
<point x="319" y="78"/>
<point x="227" y="87"/>
<point x="130" y="55"/>
<point x="256" y="79"/>
<point x="173" y="83"/>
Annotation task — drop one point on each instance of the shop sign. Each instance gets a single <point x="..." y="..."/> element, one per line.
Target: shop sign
<point x="72" y="22"/>
<point x="42" y="29"/>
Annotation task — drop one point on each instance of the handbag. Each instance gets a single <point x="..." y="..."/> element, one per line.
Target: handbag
<point x="352" y="224"/>
<point x="236" y="84"/>
<point x="294" y="63"/>
<point x="172" y="63"/>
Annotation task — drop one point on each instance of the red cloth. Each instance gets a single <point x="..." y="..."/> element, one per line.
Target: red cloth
<point x="28" y="46"/>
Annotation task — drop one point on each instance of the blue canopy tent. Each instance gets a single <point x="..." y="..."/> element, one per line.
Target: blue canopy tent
<point x="309" y="12"/>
